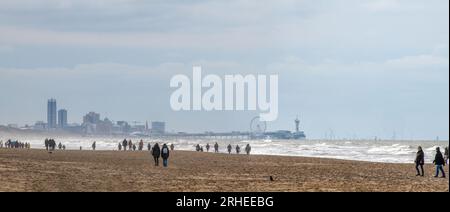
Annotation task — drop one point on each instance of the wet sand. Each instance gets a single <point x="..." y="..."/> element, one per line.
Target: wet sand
<point x="37" y="170"/>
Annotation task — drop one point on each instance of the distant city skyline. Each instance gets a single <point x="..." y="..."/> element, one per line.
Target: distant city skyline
<point x="353" y="69"/>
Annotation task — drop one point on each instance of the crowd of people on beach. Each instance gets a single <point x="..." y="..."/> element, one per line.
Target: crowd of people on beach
<point x="50" y="145"/>
<point x="128" y="144"/>
<point x="439" y="161"/>
<point x="10" y="144"/>
<point x="155" y="151"/>
<point x="248" y="148"/>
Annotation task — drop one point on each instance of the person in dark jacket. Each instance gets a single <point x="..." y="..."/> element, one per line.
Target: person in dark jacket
<point x="229" y="148"/>
<point x="94" y="145"/>
<point x="141" y="145"/>
<point x="149" y="146"/>
<point x="124" y="144"/>
<point x="439" y="162"/>
<point x="156" y="152"/>
<point x="207" y="147"/>
<point x="46" y="144"/>
<point x="248" y="149"/>
<point x="165" y="155"/>
<point x="130" y="145"/>
<point x="53" y="144"/>
<point x="216" y="147"/>
<point x="446" y="155"/>
<point x="420" y="161"/>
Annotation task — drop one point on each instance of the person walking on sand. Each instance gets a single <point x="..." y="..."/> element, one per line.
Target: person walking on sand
<point x="149" y="146"/>
<point x="216" y="147"/>
<point x="141" y="145"/>
<point x="53" y="144"/>
<point x="124" y="144"/>
<point x="172" y="147"/>
<point x="119" y="147"/>
<point x="207" y="147"/>
<point x="156" y="152"/>
<point x="59" y="146"/>
<point x="94" y="145"/>
<point x="248" y="149"/>
<point x="439" y="162"/>
<point x="134" y="147"/>
<point x="197" y="148"/>
<point x="130" y="145"/>
<point x="229" y="148"/>
<point x="420" y="161"/>
<point x="49" y="144"/>
<point x="46" y="142"/>
<point x="238" y="149"/>
<point x="446" y="155"/>
<point x="165" y="155"/>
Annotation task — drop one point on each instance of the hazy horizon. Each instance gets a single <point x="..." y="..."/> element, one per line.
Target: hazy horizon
<point x="358" y="69"/>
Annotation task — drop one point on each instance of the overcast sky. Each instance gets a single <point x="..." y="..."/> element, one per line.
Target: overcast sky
<point x="359" y="68"/>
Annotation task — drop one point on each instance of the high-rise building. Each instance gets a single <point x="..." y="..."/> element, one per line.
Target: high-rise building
<point x="158" y="127"/>
<point x="62" y="118"/>
<point x="91" y="118"/>
<point x="51" y="113"/>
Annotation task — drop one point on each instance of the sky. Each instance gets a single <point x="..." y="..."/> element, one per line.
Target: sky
<point x="353" y="68"/>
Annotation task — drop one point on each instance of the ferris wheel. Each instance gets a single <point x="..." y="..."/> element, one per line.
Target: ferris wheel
<point x="257" y="126"/>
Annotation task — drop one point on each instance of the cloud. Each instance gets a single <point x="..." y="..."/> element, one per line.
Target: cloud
<point x="426" y="68"/>
<point x="62" y="4"/>
<point x="382" y="5"/>
<point x="420" y="61"/>
<point x="6" y="48"/>
<point x="95" y="70"/>
<point x="337" y="59"/>
<point x="230" y="40"/>
<point x="222" y="25"/>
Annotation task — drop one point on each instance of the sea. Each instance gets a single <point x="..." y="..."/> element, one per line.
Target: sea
<point x="385" y="151"/>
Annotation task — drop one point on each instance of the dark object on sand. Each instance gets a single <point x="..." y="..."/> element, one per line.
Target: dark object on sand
<point x="271" y="179"/>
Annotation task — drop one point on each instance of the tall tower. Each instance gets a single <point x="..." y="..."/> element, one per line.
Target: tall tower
<point x="62" y="118"/>
<point x="297" y="125"/>
<point x="51" y="113"/>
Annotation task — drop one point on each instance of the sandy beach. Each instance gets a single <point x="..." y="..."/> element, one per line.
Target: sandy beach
<point x="73" y="171"/>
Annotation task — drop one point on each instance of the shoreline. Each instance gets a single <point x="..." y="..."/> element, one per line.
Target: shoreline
<point x="85" y="170"/>
<point x="393" y="152"/>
